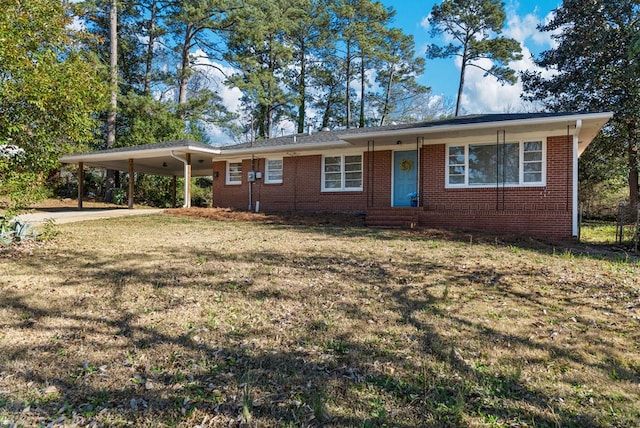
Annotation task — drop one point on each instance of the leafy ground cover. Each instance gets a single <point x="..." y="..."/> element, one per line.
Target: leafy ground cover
<point x="183" y="321"/>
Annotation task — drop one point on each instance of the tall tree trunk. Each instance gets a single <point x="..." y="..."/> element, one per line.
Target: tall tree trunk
<point x="152" y="39"/>
<point x="185" y="67"/>
<point x="269" y="125"/>
<point x="348" y="95"/>
<point x="113" y="106"/>
<point x="262" y="121"/>
<point x="362" y="90"/>
<point x="387" y="96"/>
<point x="460" y="87"/>
<point x="302" y="90"/>
<point x="463" y="69"/>
<point x="327" y="110"/>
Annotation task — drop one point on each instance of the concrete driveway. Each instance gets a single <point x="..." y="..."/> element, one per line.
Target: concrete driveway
<point x="74" y="215"/>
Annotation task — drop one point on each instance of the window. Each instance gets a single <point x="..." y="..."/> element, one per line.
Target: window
<point x="234" y="172"/>
<point x="342" y="173"/>
<point x="457" y="166"/>
<point x="273" y="171"/>
<point x="481" y="165"/>
<point x="532" y="162"/>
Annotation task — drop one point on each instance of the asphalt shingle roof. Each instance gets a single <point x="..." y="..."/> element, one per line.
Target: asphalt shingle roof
<point x="330" y="136"/>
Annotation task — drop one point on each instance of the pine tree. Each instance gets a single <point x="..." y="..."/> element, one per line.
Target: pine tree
<point x="258" y="48"/>
<point x="472" y="25"/>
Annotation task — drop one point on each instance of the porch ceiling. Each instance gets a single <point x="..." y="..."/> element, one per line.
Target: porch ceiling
<point x="157" y="165"/>
<point x="152" y="159"/>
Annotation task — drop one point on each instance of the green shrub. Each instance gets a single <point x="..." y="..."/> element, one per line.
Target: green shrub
<point x="119" y="196"/>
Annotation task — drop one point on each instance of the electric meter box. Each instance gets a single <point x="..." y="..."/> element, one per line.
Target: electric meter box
<point x="251" y="176"/>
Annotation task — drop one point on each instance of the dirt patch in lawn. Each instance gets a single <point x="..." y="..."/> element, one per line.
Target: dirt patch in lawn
<point x="283" y="218"/>
<point x="178" y="321"/>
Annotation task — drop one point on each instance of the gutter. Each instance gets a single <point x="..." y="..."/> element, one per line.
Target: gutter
<point x="574" y="203"/>
<point x="288" y="147"/>
<point x="484" y="125"/>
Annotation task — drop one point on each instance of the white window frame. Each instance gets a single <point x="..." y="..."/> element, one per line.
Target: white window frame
<point x="268" y="170"/>
<point x="343" y="174"/>
<point x="229" y="181"/>
<point x="521" y="183"/>
<point x="543" y="161"/>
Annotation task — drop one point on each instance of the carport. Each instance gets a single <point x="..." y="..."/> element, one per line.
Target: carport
<point x="183" y="158"/>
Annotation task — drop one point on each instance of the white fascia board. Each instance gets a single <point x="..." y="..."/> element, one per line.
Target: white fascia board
<point x="134" y="154"/>
<point x="289" y="148"/>
<point x="484" y="125"/>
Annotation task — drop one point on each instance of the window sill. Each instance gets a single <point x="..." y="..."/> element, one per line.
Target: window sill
<point x="493" y="186"/>
<point x="340" y="190"/>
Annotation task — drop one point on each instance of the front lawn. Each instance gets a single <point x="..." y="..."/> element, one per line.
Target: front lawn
<point x="175" y="321"/>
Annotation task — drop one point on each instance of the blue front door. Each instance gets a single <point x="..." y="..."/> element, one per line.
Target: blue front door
<point x="405" y="177"/>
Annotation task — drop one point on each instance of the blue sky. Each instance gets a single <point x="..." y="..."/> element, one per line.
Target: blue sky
<point x="482" y="94"/>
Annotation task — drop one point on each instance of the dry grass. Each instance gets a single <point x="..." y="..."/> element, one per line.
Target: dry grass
<point x="177" y="321"/>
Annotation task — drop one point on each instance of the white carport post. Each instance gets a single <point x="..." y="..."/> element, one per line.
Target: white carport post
<point x="187" y="177"/>
<point x="187" y="181"/>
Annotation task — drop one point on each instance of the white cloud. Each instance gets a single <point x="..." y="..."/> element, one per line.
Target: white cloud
<point x="217" y="74"/>
<point x="521" y="28"/>
<point x="484" y="94"/>
<point x="424" y="23"/>
<point x="546" y="38"/>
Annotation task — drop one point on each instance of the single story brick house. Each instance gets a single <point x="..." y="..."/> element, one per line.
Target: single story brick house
<point x="512" y="173"/>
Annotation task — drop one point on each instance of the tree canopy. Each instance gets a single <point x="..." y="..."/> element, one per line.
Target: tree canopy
<point x="596" y="67"/>
<point x="49" y="91"/>
<point x="475" y="26"/>
<point x="293" y="62"/>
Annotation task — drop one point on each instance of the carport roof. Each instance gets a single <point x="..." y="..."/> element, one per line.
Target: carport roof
<point x="157" y="158"/>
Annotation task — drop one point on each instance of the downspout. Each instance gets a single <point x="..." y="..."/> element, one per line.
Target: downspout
<point x="251" y="171"/>
<point x="187" y="196"/>
<point x="418" y="167"/>
<point x="574" y="204"/>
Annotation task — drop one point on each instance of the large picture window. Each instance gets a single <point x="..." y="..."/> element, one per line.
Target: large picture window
<point x="509" y="164"/>
<point x="234" y="172"/>
<point x="342" y="173"/>
<point x="273" y="171"/>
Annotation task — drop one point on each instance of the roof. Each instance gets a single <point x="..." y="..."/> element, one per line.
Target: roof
<point x="175" y="144"/>
<point x="325" y="139"/>
<point x="158" y="158"/>
<point x="165" y="158"/>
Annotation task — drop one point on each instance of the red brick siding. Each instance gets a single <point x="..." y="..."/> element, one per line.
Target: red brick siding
<point x="542" y="211"/>
<point x="300" y="189"/>
<point x="380" y="177"/>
